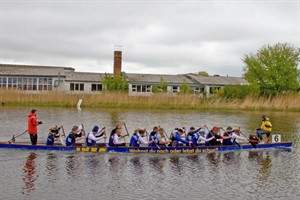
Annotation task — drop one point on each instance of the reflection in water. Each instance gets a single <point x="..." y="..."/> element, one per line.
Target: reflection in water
<point x="214" y="158"/>
<point x="157" y="163"/>
<point x="138" y="167"/>
<point x="73" y="166"/>
<point x="29" y="174"/>
<point x="92" y="164"/>
<point x="176" y="165"/>
<point x="265" y="163"/>
<point x="52" y="166"/>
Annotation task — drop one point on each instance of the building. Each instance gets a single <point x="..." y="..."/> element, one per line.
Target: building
<point x="31" y="78"/>
<point x="47" y="78"/>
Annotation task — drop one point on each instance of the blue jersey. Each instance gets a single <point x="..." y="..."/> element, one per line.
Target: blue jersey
<point x="153" y="136"/>
<point x="195" y="138"/>
<point x="89" y="144"/>
<point x="71" y="139"/>
<point x="111" y="140"/>
<point x="50" y="139"/>
<point x="227" y="141"/>
<point x="176" y="137"/>
<point x="134" y="141"/>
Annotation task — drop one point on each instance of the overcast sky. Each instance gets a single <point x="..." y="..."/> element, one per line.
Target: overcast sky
<point x="169" y="37"/>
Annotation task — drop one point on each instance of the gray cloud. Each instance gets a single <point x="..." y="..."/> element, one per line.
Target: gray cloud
<point x="157" y="36"/>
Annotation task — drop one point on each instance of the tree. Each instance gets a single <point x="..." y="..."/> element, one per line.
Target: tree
<point x="184" y="87"/>
<point x="115" y="83"/>
<point x="162" y="87"/>
<point x="273" y="68"/>
<point x="203" y="73"/>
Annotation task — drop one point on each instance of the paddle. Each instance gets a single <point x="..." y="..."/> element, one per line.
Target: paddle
<point x="126" y="131"/>
<point x="252" y="143"/>
<point x="60" y="136"/>
<point x="13" y="139"/>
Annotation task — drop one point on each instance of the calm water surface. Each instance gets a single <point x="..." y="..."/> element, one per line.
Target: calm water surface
<point x="268" y="174"/>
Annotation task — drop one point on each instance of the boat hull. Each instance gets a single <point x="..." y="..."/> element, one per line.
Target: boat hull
<point x="155" y="150"/>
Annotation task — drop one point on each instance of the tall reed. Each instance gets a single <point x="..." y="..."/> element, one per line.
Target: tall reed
<point x="289" y="102"/>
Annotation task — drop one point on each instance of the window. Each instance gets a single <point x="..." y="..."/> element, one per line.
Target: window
<point x="141" y="88"/>
<point x="3" y="82"/>
<point x="175" y="89"/>
<point x="96" y="87"/>
<point x="76" y="86"/>
<point x="198" y="89"/>
<point x="26" y="83"/>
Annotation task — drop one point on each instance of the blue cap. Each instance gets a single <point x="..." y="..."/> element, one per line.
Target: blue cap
<point x="192" y="128"/>
<point x="95" y="129"/>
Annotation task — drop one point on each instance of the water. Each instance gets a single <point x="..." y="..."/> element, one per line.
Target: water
<point x="268" y="174"/>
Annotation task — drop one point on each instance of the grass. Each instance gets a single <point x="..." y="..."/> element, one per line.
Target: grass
<point x="283" y="102"/>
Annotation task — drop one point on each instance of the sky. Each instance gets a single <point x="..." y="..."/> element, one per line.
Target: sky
<point x="170" y="37"/>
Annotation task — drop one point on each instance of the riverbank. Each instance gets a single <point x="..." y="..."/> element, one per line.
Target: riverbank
<point x="283" y="102"/>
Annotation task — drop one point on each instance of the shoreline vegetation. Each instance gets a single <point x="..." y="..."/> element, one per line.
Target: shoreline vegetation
<point x="281" y="102"/>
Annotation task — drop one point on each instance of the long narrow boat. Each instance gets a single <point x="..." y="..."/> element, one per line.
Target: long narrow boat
<point x="160" y="150"/>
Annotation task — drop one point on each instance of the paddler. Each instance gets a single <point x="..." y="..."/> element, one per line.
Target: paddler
<point x="190" y="134"/>
<point x="74" y="136"/>
<point x="137" y="138"/>
<point x="92" y="136"/>
<point x="161" y="139"/>
<point x="200" y="136"/>
<point x="153" y="137"/>
<point x="265" y="128"/>
<point x="215" y="132"/>
<point x="115" y="139"/>
<point x="228" y="132"/>
<point x="53" y="135"/>
<point x="176" y="138"/>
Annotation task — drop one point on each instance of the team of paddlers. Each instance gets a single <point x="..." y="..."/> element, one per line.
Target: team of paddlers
<point x="156" y="138"/>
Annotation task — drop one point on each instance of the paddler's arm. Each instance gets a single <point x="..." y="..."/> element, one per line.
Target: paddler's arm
<point x="181" y="140"/>
<point x="116" y="140"/>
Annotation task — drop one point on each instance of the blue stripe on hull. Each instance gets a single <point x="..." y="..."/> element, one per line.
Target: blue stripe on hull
<point x="162" y="150"/>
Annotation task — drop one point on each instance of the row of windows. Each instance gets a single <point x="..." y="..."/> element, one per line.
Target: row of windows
<point x="80" y="87"/>
<point x="148" y="88"/>
<point x="26" y="83"/>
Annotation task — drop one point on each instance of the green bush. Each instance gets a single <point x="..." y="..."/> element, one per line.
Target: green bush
<point x="239" y="91"/>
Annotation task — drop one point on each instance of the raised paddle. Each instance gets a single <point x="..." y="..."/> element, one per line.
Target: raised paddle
<point x="13" y="139"/>
<point x="126" y="131"/>
<point x="60" y="136"/>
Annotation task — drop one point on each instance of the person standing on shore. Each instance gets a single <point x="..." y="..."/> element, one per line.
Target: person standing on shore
<point x="32" y="126"/>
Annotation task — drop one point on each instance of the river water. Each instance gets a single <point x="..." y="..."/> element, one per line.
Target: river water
<point x="267" y="174"/>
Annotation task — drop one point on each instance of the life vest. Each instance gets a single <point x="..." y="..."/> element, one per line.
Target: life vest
<point x="253" y="139"/>
<point x="111" y="140"/>
<point x="50" y="139"/>
<point x="153" y="136"/>
<point x="88" y="141"/>
<point x="70" y="140"/>
<point x="227" y="141"/>
<point x="214" y="141"/>
<point x="134" y="141"/>
<point x="189" y="136"/>
<point x="266" y="125"/>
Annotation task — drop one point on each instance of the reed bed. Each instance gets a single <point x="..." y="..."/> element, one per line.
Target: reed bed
<point x="289" y="102"/>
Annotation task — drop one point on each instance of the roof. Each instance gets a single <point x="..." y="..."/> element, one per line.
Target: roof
<point x="156" y="78"/>
<point x="84" y="76"/>
<point x="32" y="70"/>
<point x="217" y="80"/>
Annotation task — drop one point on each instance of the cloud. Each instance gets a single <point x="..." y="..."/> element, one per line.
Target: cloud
<point x="157" y="36"/>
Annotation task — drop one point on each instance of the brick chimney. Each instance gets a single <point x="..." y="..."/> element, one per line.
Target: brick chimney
<point x="117" y="63"/>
